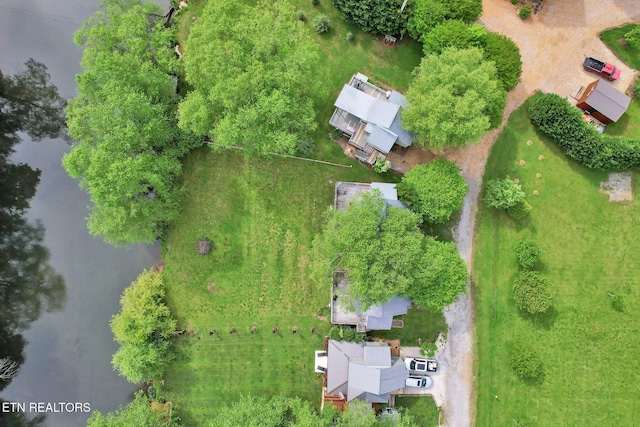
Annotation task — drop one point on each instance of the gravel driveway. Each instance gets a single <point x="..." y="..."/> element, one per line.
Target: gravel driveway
<point x="553" y="45"/>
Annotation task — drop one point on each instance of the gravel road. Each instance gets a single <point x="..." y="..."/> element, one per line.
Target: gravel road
<point x="553" y="45"/>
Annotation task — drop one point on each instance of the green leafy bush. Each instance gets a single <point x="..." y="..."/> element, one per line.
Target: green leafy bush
<point x="349" y="36"/>
<point x="636" y="87"/>
<point x="321" y="23"/>
<point x="301" y="16"/>
<point x="525" y="363"/>
<point x="336" y="134"/>
<point x="531" y="292"/>
<point x="520" y="210"/>
<point x="633" y="37"/>
<point x="452" y="33"/>
<point x="559" y="120"/>
<point x="315" y="2"/>
<point x="524" y="11"/>
<point x="617" y="302"/>
<point x="505" y="54"/>
<point x="306" y="146"/>
<point x="151" y="391"/>
<point x="335" y="333"/>
<point x="503" y="193"/>
<point x="435" y="190"/>
<point x="528" y="253"/>
<point x="381" y="165"/>
<point x="428" y="349"/>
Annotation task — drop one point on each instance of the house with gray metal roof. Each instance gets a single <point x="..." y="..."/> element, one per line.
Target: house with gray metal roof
<point x="364" y="371"/>
<point x="603" y="101"/>
<point x="370" y="117"/>
<point x="344" y="311"/>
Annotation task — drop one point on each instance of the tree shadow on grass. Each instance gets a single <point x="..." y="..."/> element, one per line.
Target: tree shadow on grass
<point x="544" y="320"/>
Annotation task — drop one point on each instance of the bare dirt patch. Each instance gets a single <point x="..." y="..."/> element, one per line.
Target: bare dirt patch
<point x="618" y="187"/>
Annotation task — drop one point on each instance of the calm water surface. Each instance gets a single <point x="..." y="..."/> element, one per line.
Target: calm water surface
<point x="68" y="355"/>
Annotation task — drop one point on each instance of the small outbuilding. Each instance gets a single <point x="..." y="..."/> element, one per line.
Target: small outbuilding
<point x="603" y="101"/>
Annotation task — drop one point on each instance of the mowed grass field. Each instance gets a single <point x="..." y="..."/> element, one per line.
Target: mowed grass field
<point x="261" y="215"/>
<point x="614" y="38"/>
<point x="590" y="351"/>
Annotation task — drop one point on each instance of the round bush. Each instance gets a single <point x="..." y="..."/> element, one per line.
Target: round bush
<point x="531" y="293"/>
<point x="528" y="253"/>
<point x="525" y="363"/>
<point x="349" y="36"/>
<point x="348" y="334"/>
<point x="321" y="23"/>
<point x="301" y="16"/>
<point x="306" y="146"/>
<point x="334" y="334"/>
<point x="315" y="2"/>
<point x="520" y="210"/>
<point x="151" y="391"/>
<point x="503" y="193"/>
<point x="525" y="11"/>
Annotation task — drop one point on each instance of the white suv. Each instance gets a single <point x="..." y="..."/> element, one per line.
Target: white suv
<point x="415" y="381"/>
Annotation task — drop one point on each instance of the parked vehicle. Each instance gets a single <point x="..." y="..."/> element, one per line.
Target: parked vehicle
<point x="421" y="382"/>
<point x="421" y="365"/>
<point x="604" y="69"/>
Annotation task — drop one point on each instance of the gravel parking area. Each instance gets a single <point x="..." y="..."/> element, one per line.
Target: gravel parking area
<point x="553" y="45"/>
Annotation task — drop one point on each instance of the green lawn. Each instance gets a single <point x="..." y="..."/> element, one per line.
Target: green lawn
<point x="589" y="350"/>
<point x="418" y="323"/>
<point x="614" y="38"/>
<point x="629" y="124"/>
<point x="423" y="409"/>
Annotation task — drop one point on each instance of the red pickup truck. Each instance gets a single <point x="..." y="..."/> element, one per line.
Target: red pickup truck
<point x="602" y="68"/>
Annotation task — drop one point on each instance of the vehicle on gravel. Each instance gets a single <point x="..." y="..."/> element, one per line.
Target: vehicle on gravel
<point x="421" y="382"/>
<point x="421" y="365"/>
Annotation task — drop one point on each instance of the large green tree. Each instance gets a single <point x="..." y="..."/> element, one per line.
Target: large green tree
<point x="455" y="98"/>
<point x="138" y="413"/>
<point x="128" y="148"/>
<point x="506" y="55"/>
<point x="426" y="14"/>
<point x="250" y="68"/>
<point x="434" y="190"/>
<point x="143" y="328"/>
<point x="385" y="254"/>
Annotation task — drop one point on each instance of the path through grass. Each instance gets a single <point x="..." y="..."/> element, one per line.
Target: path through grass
<point x="589" y="350"/>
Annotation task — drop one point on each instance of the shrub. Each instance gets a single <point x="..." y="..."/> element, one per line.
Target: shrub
<point x="428" y="349"/>
<point x="349" y="334"/>
<point x="514" y="1"/>
<point x="151" y="391"/>
<point x="525" y="363"/>
<point x="505" y="54"/>
<point x="435" y="190"/>
<point x="503" y="193"/>
<point x="559" y="120"/>
<point x="381" y="165"/>
<point x="525" y="11"/>
<point x="520" y="210"/>
<point x="315" y="2"/>
<point x="335" y="333"/>
<point x="531" y="294"/>
<point x="301" y="16"/>
<point x="636" y="87"/>
<point x="528" y="253"/>
<point x="306" y="146"/>
<point x="633" y="37"/>
<point x="349" y="36"/>
<point x="321" y="23"/>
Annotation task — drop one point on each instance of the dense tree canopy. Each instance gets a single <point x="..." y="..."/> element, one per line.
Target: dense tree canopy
<point x="426" y="14"/>
<point x="277" y="411"/>
<point x="385" y="254"/>
<point x="143" y="329"/>
<point x="453" y="33"/>
<point x="128" y="151"/>
<point x="505" y="54"/>
<point x="434" y="190"/>
<point x="250" y="67"/>
<point x="375" y="16"/>
<point x="455" y="98"/>
<point x="138" y="413"/>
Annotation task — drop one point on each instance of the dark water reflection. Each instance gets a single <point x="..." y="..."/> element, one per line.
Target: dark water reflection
<point x="68" y="352"/>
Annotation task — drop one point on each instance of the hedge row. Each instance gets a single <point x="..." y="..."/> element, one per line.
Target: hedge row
<point x="559" y="120"/>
